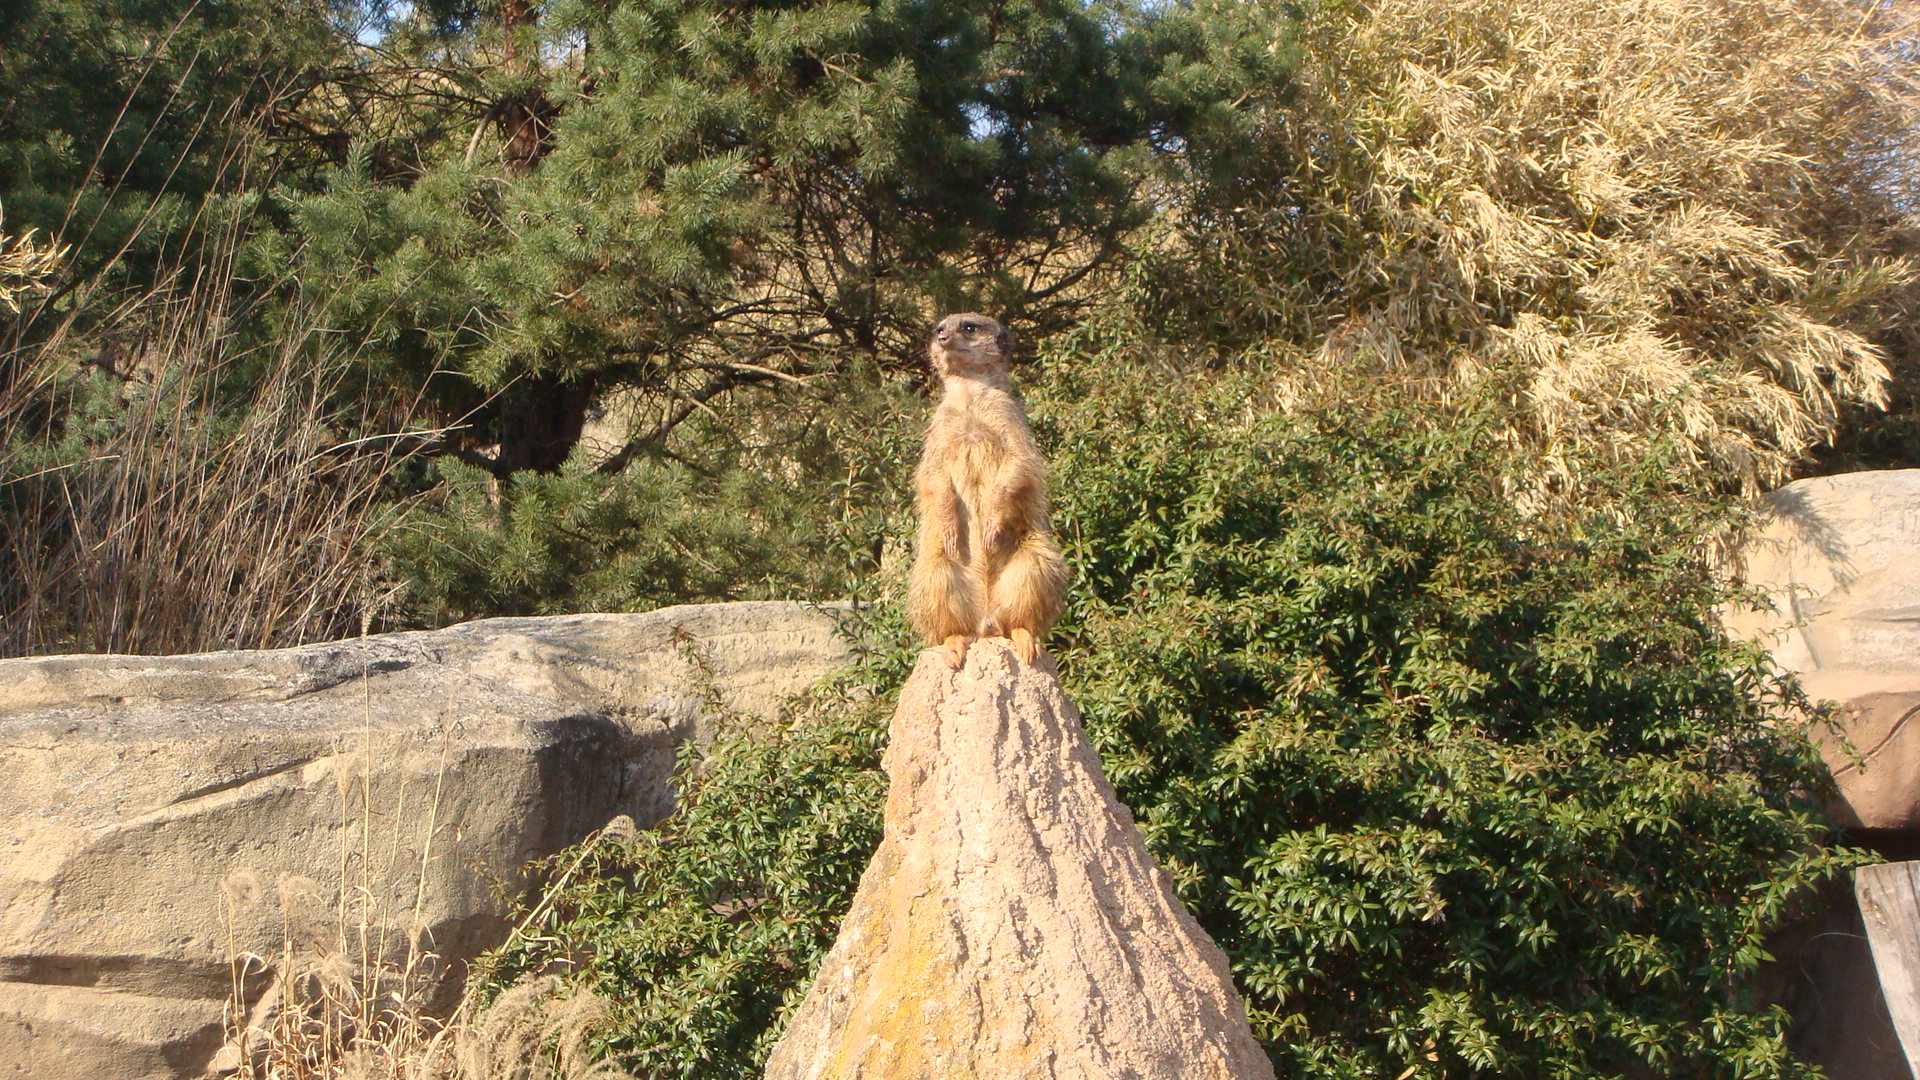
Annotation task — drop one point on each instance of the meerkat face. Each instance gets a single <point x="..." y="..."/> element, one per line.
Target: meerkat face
<point x="970" y="344"/>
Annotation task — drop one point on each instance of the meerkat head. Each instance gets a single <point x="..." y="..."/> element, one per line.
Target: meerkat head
<point x="970" y="344"/>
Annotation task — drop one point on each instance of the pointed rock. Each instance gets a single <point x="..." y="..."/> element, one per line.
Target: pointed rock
<point x="1012" y="924"/>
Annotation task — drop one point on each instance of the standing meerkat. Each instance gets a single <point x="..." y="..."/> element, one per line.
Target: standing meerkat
<point x="987" y="564"/>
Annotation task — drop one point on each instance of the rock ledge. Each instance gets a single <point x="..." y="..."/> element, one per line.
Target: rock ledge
<point x="162" y="815"/>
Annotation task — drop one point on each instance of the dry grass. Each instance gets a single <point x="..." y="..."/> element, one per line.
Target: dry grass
<point x="146" y="512"/>
<point x="353" y="989"/>
<point x="182" y="467"/>
<point x="24" y="265"/>
<point x="1642" y="217"/>
<point x="535" y="1030"/>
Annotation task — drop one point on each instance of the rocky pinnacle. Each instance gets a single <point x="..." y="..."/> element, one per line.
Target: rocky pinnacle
<point x="1012" y="924"/>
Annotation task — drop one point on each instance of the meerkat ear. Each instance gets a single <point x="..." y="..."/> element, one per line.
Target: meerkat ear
<point x="1005" y="340"/>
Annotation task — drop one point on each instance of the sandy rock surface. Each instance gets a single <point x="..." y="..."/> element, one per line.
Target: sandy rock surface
<point x="1840" y="558"/>
<point x="1012" y="924"/>
<point x="160" y="816"/>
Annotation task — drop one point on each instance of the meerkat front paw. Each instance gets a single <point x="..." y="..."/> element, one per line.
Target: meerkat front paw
<point x="954" y="649"/>
<point x="993" y="532"/>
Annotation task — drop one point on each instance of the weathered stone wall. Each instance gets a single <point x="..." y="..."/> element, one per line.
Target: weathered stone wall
<point x="1840" y="558"/>
<point x="161" y="816"/>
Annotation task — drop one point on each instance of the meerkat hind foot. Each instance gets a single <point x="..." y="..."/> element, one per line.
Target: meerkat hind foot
<point x="1024" y="645"/>
<point x="954" y="649"/>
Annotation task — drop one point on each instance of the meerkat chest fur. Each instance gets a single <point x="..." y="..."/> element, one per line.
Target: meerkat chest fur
<point x="971" y="438"/>
<point x="982" y="452"/>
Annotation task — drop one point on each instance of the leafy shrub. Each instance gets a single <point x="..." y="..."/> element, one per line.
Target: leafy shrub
<point x="1460" y="791"/>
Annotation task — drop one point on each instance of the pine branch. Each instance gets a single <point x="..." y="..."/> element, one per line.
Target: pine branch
<point x="721" y="381"/>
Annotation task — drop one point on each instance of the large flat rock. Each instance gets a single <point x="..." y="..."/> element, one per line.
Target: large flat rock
<point x="162" y="817"/>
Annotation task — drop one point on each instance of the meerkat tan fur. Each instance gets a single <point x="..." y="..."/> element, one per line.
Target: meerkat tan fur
<point x="987" y="564"/>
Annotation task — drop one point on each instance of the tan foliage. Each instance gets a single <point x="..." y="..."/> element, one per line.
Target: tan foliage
<point x="24" y="264"/>
<point x="280" y="498"/>
<point x="535" y="1030"/>
<point x="1643" y="216"/>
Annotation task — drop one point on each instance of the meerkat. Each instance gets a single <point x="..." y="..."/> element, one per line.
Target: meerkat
<point x="986" y="563"/>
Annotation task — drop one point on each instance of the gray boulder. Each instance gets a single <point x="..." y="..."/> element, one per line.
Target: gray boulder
<point x="162" y="819"/>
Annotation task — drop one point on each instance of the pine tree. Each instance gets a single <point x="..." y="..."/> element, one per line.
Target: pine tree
<point x="119" y="121"/>
<point x="692" y="196"/>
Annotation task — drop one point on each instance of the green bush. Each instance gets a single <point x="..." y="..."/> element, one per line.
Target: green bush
<point x="1460" y="791"/>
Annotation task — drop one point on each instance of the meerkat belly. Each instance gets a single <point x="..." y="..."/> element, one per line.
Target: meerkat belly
<point x="974" y="471"/>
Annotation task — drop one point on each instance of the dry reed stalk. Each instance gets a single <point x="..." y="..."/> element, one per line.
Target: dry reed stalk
<point x="182" y="488"/>
<point x="168" y="481"/>
<point x="177" y="525"/>
<point x="328" y="1015"/>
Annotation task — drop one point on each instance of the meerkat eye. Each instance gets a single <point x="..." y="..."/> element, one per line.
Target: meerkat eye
<point x="968" y="328"/>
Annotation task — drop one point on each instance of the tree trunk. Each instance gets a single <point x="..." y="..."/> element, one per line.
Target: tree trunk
<point x="541" y="418"/>
<point x="525" y="118"/>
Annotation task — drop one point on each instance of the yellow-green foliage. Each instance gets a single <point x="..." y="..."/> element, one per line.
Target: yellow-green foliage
<point x="1644" y="216"/>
